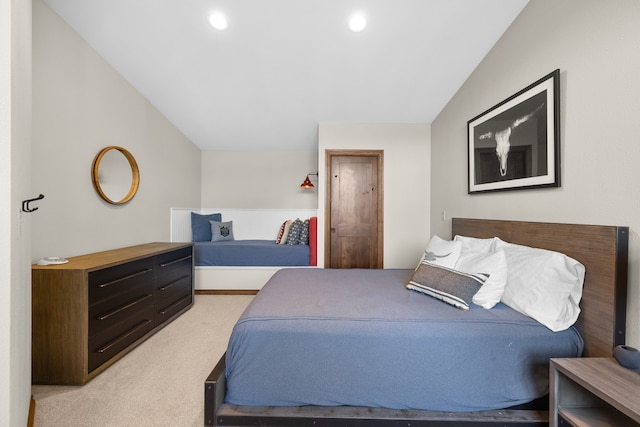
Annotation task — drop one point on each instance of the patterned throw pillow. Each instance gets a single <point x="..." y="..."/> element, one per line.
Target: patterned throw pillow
<point x="221" y="231"/>
<point x="284" y="232"/>
<point x="295" y="232"/>
<point x="447" y="285"/>
<point x="304" y="235"/>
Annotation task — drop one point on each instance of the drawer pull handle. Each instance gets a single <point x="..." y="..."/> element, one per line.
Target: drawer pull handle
<point x="139" y="273"/>
<point x="180" y="301"/>
<point x="170" y="284"/>
<point x="166" y="264"/>
<point x="124" y="307"/>
<point x="131" y="331"/>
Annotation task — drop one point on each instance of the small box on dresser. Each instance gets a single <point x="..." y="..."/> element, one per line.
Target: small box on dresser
<point x="91" y="311"/>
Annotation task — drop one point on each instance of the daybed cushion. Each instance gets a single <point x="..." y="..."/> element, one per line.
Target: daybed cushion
<point x="221" y="230"/>
<point x="245" y="253"/>
<point x="200" y="226"/>
<point x="543" y="284"/>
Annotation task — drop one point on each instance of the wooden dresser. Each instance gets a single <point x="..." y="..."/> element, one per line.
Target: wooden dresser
<point x="94" y="309"/>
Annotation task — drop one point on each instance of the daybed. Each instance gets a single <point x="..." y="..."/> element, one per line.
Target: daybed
<point x="373" y="335"/>
<point x="251" y="258"/>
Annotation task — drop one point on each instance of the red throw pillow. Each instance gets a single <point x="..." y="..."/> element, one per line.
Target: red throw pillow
<point x="313" y="241"/>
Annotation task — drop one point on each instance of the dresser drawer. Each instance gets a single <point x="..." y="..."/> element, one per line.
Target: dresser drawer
<point x="110" y="341"/>
<point x="181" y="259"/>
<point x="169" y="307"/>
<point x="109" y="312"/>
<point x="112" y="281"/>
<point x="175" y="282"/>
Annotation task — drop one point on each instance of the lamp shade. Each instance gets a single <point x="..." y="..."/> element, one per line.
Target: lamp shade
<point x="307" y="183"/>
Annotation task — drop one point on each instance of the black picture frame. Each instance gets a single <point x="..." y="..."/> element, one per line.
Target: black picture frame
<point x="516" y="144"/>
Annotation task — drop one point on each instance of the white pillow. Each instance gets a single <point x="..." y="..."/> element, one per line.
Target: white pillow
<point x="442" y="252"/>
<point x="492" y="264"/>
<point x="475" y="244"/>
<point x="542" y="284"/>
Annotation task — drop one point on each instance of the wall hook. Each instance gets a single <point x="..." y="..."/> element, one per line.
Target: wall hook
<point x="25" y="204"/>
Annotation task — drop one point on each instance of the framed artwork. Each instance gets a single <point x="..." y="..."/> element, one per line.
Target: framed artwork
<point x="516" y="144"/>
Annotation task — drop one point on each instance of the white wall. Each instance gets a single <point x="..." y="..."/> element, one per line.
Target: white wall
<point x="258" y="179"/>
<point x="81" y="105"/>
<point x="595" y="45"/>
<point x="407" y="183"/>
<point x="15" y="269"/>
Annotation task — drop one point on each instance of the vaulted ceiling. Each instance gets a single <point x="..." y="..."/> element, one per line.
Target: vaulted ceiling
<point x="283" y="66"/>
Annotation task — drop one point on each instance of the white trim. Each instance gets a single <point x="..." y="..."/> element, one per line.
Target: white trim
<point x="234" y="278"/>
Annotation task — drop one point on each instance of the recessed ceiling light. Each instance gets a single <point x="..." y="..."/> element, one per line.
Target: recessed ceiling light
<point x="218" y="21"/>
<point x="357" y="23"/>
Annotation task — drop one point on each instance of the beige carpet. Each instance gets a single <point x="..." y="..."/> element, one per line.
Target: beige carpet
<point x="160" y="383"/>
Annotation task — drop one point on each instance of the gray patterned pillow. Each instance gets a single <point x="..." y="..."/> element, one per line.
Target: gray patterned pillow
<point x="295" y="232"/>
<point x="221" y="230"/>
<point x="304" y="234"/>
<point x="451" y="286"/>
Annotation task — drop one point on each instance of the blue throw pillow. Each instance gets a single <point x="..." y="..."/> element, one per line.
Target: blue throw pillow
<point x="200" y="226"/>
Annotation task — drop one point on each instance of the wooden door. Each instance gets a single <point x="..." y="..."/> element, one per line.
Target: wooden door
<point x="355" y="209"/>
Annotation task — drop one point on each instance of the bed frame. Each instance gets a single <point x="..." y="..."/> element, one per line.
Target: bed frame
<point x="603" y="250"/>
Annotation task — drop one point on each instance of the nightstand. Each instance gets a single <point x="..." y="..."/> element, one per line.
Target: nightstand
<point x="593" y="392"/>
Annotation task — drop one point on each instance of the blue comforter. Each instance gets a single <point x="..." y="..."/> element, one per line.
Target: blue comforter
<point x="359" y="338"/>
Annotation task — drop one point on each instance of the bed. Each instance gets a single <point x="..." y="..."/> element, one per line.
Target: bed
<point x="601" y="249"/>
<point x="254" y="231"/>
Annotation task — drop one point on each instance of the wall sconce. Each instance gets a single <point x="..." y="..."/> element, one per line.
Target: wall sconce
<point x="307" y="182"/>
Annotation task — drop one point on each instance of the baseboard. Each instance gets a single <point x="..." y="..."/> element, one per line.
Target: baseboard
<point x="31" y="421"/>
<point x="226" y="291"/>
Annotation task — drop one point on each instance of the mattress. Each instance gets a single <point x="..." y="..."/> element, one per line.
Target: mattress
<point x="250" y="253"/>
<point x="360" y="338"/>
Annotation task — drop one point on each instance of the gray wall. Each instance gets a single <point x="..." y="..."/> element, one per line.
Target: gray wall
<point x="258" y="179"/>
<point x="595" y="45"/>
<point x="406" y="183"/>
<point x="81" y="105"/>
<point x="15" y="268"/>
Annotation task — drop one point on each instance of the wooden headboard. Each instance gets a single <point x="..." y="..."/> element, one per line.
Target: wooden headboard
<point x="603" y="250"/>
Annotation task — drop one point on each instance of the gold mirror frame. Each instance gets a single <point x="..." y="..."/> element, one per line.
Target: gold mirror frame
<point x="135" y="175"/>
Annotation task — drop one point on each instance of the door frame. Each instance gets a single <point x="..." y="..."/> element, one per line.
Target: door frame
<point x="379" y="155"/>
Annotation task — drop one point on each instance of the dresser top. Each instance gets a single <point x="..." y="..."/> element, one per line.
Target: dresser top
<point x="114" y="256"/>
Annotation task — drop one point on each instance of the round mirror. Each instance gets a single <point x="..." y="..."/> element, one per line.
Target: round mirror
<point x="115" y="175"/>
